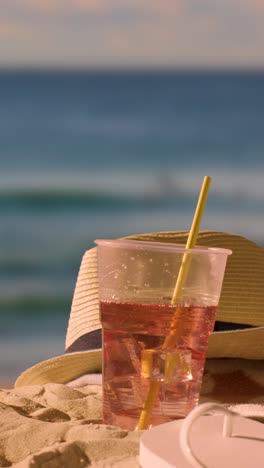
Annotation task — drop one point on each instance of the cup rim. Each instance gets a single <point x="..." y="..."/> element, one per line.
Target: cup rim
<point x="160" y="246"/>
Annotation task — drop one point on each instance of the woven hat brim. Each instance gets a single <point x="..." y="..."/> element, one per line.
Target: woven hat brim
<point x="243" y="344"/>
<point x="62" y="369"/>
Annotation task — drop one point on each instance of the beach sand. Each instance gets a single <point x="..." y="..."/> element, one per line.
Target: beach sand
<point x="56" y="425"/>
<point x="53" y="425"/>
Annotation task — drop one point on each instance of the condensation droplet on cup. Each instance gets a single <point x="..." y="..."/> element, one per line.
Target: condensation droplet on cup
<point x="146" y="285"/>
<point x="150" y="260"/>
<point x="188" y="301"/>
<point x="132" y="258"/>
<point x="115" y="275"/>
<point x="166" y="264"/>
<point x="124" y="266"/>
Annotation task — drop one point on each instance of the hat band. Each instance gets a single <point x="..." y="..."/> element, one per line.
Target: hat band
<point x="93" y="340"/>
<point x="87" y="342"/>
<point x="229" y="326"/>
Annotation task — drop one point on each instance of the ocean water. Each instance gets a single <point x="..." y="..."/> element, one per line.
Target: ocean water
<point x="88" y="155"/>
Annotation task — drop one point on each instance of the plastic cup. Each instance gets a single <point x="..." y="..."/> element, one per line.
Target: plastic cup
<point x="136" y="283"/>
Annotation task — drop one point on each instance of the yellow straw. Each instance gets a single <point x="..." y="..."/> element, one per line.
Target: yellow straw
<point x="183" y="273"/>
<point x="191" y="241"/>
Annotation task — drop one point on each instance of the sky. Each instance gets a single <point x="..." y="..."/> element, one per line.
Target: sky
<point x="128" y="33"/>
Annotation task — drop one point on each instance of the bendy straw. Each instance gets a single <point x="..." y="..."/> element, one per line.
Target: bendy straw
<point x="183" y="273"/>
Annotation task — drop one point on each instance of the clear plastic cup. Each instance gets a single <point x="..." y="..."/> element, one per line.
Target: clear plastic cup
<point x="148" y="339"/>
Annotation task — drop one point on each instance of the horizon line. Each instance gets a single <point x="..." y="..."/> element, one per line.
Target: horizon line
<point x="132" y="68"/>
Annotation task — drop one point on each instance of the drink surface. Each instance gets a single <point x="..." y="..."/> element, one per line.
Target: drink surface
<point x="134" y="356"/>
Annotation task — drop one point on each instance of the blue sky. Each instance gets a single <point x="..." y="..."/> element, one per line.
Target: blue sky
<point x="132" y="33"/>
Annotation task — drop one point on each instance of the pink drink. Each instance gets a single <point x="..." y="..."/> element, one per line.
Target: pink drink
<point x="129" y="330"/>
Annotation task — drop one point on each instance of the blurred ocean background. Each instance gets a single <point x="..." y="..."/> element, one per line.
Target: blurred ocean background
<point x="100" y="154"/>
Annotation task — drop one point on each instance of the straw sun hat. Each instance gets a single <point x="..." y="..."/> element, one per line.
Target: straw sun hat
<point x="240" y="312"/>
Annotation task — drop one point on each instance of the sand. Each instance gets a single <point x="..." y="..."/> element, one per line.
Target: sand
<point x="53" y="425"/>
<point x="57" y="426"/>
